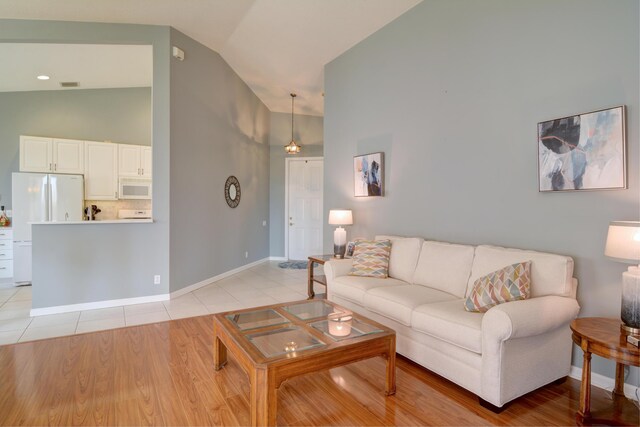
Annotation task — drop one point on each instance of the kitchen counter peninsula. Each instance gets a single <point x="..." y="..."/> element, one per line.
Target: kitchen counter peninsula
<point x="100" y="221"/>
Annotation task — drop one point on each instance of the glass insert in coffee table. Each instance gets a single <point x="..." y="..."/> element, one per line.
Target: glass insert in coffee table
<point x="345" y="327"/>
<point x="284" y="341"/>
<point x="311" y="309"/>
<point x="257" y="319"/>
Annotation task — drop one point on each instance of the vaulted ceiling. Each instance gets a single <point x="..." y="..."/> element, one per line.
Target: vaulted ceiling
<point x="276" y="46"/>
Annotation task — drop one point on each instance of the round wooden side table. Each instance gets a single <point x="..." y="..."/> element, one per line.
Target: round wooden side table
<point x="602" y="337"/>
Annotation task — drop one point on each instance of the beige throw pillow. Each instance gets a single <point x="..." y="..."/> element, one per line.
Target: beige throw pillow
<point x="371" y="258"/>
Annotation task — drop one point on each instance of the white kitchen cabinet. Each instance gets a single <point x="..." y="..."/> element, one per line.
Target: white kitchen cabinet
<point x="146" y="161"/>
<point x="134" y="161"/>
<point x="68" y="156"/>
<point x="6" y="253"/>
<point x="38" y="154"/>
<point x="101" y="171"/>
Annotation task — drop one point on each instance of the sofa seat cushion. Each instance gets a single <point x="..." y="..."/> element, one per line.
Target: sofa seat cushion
<point x="397" y="302"/>
<point x="450" y="322"/>
<point x="353" y="288"/>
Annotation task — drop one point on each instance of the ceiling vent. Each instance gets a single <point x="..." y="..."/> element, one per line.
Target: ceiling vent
<point x="69" y="84"/>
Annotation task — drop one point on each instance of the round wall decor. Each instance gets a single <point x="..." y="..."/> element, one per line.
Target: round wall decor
<point x="232" y="191"/>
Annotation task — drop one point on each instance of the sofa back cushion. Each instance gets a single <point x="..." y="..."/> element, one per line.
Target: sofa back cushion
<point x="444" y="266"/>
<point x="550" y="274"/>
<point x="404" y="256"/>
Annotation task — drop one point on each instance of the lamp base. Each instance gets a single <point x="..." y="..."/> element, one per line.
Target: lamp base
<point x="339" y="251"/>
<point x="630" y="307"/>
<point x="628" y="330"/>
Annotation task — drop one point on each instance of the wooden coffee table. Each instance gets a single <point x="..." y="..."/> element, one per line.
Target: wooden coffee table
<point x="277" y="342"/>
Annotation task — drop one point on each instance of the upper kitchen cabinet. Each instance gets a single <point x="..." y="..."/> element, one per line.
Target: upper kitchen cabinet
<point x="101" y="171"/>
<point x="134" y="161"/>
<point x="46" y="155"/>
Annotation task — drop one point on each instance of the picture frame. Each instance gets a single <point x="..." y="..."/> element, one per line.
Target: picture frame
<point x="350" y="248"/>
<point x="583" y="152"/>
<point x="368" y="175"/>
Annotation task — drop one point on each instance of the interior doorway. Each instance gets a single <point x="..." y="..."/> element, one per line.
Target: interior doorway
<point x="303" y="207"/>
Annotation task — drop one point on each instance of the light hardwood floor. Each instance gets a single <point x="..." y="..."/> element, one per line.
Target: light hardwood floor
<point x="162" y="374"/>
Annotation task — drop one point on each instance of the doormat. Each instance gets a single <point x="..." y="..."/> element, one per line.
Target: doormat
<point x="295" y="265"/>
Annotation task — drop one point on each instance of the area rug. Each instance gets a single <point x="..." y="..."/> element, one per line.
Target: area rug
<point x="295" y="265"/>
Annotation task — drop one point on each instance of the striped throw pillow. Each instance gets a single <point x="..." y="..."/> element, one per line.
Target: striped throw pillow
<point x="371" y="258"/>
<point x="511" y="283"/>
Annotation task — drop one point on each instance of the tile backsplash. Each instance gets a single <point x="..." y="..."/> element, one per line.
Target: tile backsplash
<point x="110" y="208"/>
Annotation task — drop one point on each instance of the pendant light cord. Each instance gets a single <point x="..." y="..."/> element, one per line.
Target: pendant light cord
<point x="293" y="96"/>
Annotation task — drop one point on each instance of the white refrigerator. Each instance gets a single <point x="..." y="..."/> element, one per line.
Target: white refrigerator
<point x="38" y="197"/>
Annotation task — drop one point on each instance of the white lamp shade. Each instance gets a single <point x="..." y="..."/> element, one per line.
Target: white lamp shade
<point x="623" y="241"/>
<point x="340" y="217"/>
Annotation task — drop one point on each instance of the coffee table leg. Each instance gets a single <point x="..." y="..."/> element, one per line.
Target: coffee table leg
<point x="585" y="387"/>
<point x="390" y="382"/>
<point x="219" y="351"/>
<point x="263" y="399"/>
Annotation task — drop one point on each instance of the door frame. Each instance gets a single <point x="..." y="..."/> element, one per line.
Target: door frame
<point x="287" y="162"/>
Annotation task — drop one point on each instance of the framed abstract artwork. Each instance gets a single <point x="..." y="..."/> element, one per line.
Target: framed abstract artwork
<point x="583" y="152"/>
<point x="368" y="175"/>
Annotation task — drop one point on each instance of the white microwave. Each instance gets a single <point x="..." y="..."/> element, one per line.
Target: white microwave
<point x="134" y="188"/>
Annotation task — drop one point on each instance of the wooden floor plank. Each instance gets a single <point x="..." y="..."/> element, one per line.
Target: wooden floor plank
<point x="162" y="374"/>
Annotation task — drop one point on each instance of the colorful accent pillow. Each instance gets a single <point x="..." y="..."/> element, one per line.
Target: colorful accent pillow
<point x="371" y="258"/>
<point x="511" y="283"/>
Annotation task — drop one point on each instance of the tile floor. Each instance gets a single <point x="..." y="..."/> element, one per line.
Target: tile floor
<point x="263" y="284"/>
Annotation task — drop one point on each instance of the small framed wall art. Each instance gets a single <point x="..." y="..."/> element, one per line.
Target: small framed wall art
<point x="368" y="175"/>
<point x="583" y="152"/>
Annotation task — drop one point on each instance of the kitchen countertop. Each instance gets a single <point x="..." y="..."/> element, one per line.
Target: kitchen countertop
<point x="100" y="221"/>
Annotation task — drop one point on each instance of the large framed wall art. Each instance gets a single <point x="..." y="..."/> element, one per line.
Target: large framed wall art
<point x="368" y="175"/>
<point x="583" y="152"/>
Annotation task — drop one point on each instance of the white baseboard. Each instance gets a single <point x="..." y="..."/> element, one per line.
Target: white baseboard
<point x="604" y="382"/>
<point x="278" y="258"/>
<point x="213" y="279"/>
<point x="98" y="304"/>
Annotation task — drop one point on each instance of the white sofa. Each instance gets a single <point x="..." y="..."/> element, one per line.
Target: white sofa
<point x="510" y="350"/>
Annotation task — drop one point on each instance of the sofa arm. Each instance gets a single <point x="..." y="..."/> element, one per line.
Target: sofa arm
<point x="530" y="317"/>
<point x="337" y="267"/>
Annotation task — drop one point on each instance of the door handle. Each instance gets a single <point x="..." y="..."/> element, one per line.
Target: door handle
<point x="142" y="171"/>
<point x="55" y="166"/>
<point x="66" y="216"/>
<point x="50" y="168"/>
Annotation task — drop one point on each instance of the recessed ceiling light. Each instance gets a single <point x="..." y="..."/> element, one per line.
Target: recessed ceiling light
<point x="43" y="77"/>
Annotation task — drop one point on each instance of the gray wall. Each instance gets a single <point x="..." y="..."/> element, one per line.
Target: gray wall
<point x="451" y="92"/>
<point x="118" y="115"/>
<point x="308" y="132"/>
<point x="84" y="263"/>
<point x="218" y="128"/>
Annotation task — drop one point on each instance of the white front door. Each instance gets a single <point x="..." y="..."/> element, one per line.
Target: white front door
<point x="304" y="210"/>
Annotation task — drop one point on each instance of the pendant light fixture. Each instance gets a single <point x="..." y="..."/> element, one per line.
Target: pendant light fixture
<point x="292" y="147"/>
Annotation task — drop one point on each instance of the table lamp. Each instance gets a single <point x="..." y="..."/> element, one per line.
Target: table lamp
<point x="623" y="245"/>
<point x="340" y="217"/>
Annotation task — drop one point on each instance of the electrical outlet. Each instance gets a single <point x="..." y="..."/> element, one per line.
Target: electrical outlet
<point x="246" y="254"/>
<point x="156" y="279"/>
<point x="264" y="223"/>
